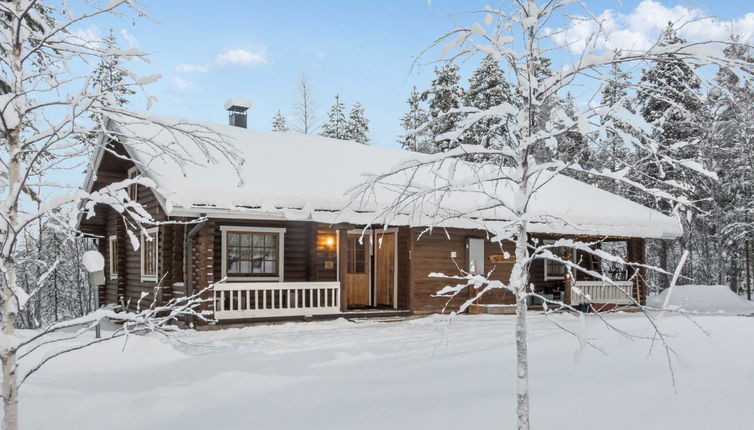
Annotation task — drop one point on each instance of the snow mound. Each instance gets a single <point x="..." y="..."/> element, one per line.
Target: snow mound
<point x="704" y="299"/>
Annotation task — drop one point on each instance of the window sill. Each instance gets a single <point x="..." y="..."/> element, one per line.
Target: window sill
<point x="148" y="278"/>
<point x="113" y="277"/>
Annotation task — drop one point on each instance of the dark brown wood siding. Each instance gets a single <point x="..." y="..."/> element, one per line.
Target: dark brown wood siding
<point x="324" y="254"/>
<point x="637" y="254"/>
<point x="115" y="289"/>
<point x="298" y="242"/>
<point x="404" y="268"/>
<point x="432" y="253"/>
<point x="128" y="287"/>
<point x="135" y="287"/>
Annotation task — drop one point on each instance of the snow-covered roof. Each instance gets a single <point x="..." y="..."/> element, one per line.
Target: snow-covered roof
<point x="299" y="177"/>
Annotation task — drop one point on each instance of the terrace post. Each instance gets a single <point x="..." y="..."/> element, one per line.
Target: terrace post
<point x="342" y="266"/>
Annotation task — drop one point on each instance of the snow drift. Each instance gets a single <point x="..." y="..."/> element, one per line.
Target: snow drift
<point x="704" y="299"/>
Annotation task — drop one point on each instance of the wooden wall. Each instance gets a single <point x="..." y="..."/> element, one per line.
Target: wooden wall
<point x="115" y="289"/>
<point x="637" y="254"/>
<point x="134" y="285"/>
<point x="128" y="287"/>
<point x="432" y="253"/>
<point x="305" y="249"/>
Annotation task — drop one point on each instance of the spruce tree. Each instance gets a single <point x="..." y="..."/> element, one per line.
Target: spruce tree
<point x="357" y="126"/>
<point x="413" y="139"/>
<point x="487" y="88"/>
<point x="110" y="74"/>
<point x="336" y="124"/>
<point x="730" y="153"/>
<point x="572" y="146"/>
<point x="279" y="123"/>
<point x="612" y="153"/>
<point x="670" y="100"/>
<point x="444" y="95"/>
<point x="109" y="78"/>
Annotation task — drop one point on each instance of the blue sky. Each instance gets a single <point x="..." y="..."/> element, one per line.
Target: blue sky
<point x="361" y="50"/>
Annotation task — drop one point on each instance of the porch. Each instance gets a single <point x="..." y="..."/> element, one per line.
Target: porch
<point x="276" y="270"/>
<point x="586" y="285"/>
<point x="274" y="300"/>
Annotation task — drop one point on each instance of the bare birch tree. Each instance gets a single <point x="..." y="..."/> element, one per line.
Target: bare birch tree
<point x="502" y="180"/>
<point x="50" y="105"/>
<point x="306" y="121"/>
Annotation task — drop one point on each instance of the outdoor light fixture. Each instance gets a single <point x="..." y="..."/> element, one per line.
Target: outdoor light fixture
<point x="330" y="241"/>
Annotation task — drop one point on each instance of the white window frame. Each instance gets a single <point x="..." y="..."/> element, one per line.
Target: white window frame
<point x="112" y="243"/>
<point x="224" y="229"/>
<point x="154" y="233"/>
<point x="133" y="173"/>
<point x="546" y="261"/>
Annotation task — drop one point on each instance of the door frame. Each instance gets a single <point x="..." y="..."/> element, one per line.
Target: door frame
<point x="376" y="233"/>
<point x="367" y="236"/>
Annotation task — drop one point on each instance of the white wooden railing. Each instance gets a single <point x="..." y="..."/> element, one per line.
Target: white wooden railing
<point x="618" y="293"/>
<point x="238" y="300"/>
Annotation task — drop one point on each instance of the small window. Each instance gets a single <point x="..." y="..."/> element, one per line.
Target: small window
<point x="113" y="254"/>
<point x="149" y="254"/>
<point x="357" y="255"/>
<point x="133" y="189"/>
<point x="252" y="254"/>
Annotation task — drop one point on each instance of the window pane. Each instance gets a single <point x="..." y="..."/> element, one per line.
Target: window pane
<point x="233" y="239"/>
<point x="256" y="266"/>
<point x="258" y="240"/>
<point x="269" y="240"/>
<point x="245" y="240"/>
<point x="269" y="267"/>
<point x="245" y="267"/>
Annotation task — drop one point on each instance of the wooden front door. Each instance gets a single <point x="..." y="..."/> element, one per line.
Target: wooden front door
<point x="357" y="271"/>
<point x="385" y="268"/>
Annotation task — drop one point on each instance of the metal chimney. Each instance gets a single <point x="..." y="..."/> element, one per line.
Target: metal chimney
<point x="237" y="111"/>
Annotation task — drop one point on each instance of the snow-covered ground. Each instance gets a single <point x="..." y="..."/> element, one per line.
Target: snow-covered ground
<point x="422" y="373"/>
<point x="703" y="299"/>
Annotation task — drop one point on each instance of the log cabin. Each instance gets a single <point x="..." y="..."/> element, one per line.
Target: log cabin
<point x="288" y="242"/>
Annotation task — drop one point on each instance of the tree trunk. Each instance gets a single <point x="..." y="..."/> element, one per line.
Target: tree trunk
<point x="9" y="301"/>
<point x="522" y="364"/>
<point x="520" y="281"/>
<point x="664" y="281"/>
<point x="748" y="271"/>
<point x="10" y="393"/>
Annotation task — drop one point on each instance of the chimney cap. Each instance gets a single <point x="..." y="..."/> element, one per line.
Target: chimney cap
<point x="237" y="105"/>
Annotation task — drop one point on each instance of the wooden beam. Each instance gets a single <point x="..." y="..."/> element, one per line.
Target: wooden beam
<point x="342" y="267"/>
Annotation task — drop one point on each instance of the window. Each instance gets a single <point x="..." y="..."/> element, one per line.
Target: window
<point x="357" y="255"/>
<point x="133" y="189"/>
<point x="113" y="254"/>
<point x="149" y="254"/>
<point x="252" y="253"/>
<point x="553" y="269"/>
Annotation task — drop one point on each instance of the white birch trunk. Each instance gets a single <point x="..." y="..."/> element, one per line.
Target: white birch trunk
<point x="519" y="281"/>
<point x="10" y="303"/>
